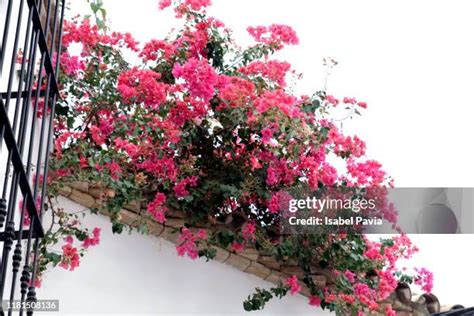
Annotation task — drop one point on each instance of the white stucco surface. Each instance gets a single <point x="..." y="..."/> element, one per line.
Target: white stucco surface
<point x="133" y="274"/>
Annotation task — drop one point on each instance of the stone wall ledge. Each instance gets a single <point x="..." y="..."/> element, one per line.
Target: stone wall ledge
<point x="249" y="260"/>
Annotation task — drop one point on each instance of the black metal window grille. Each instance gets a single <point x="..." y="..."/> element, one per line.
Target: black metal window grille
<point x="29" y="64"/>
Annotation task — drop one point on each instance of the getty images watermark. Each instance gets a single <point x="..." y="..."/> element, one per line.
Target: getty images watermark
<point x="376" y="210"/>
<point x="316" y="206"/>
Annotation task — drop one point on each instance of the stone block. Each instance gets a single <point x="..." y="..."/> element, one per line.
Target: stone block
<point x="270" y="262"/>
<point x="133" y="206"/>
<point x="170" y="235"/>
<point x="129" y="218"/>
<point x="330" y="276"/>
<point x="82" y="186"/>
<point x="65" y="191"/>
<point x="221" y="254"/>
<point x="174" y="222"/>
<point x="238" y="262"/>
<point x="155" y="228"/>
<point x="96" y="192"/>
<point x="292" y="270"/>
<point x="250" y="253"/>
<point x="259" y="270"/>
<point x="274" y="277"/>
<point x="82" y="198"/>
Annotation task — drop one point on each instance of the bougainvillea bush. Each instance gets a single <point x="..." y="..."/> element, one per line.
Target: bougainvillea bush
<point x="211" y="130"/>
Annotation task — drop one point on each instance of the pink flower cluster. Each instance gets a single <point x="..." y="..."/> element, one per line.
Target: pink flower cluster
<point x="188" y="243"/>
<point x="70" y="257"/>
<point x="157" y="209"/>
<point x="367" y="172"/>
<point x="92" y="240"/>
<point x="346" y="145"/>
<point x="26" y="218"/>
<point x="280" y="100"/>
<point x="387" y="284"/>
<point x="71" y="65"/>
<point x="275" y="35"/>
<point x="89" y="36"/>
<point x="130" y="148"/>
<point x="195" y="5"/>
<point x="424" y="278"/>
<point x="235" y="91"/>
<point x="273" y="70"/>
<point x="389" y="255"/>
<point x="292" y="282"/>
<point x="330" y="99"/>
<point x="156" y="49"/>
<point x="167" y="126"/>
<point x="142" y="86"/>
<point x="180" y="187"/>
<point x="314" y="300"/>
<point x="200" y="78"/>
<point x="248" y="231"/>
<point x="366" y="295"/>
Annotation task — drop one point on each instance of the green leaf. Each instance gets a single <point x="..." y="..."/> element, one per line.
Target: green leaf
<point x="117" y="228"/>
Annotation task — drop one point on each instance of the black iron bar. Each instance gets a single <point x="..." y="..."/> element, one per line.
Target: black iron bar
<point x="38" y="82"/>
<point x="20" y="85"/>
<point x="14" y="54"/>
<point x="17" y="255"/>
<point x="31" y="290"/>
<point x="6" y="30"/>
<point x="7" y="246"/>
<point x="10" y="226"/>
<point x="21" y="94"/>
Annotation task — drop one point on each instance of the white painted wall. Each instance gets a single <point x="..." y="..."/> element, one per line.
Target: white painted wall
<point x="142" y="275"/>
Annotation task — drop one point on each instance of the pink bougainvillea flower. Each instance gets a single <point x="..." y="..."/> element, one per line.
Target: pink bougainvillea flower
<point x="314" y="300"/>
<point x="199" y="76"/>
<point x="350" y="276"/>
<point x="71" y="65"/>
<point x="292" y="282"/>
<point x="92" y="240"/>
<point x="275" y="35"/>
<point x="180" y="188"/>
<point x="83" y="162"/>
<point x="197" y="4"/>
<point x="349" y="100"/>
<point x="362" y="104"/>
<point x="235" y="91"/>
<point x="142" y="86"/>
<point x="267" y="135"/>
<point x="157" y="48"/>
<point x="70" y="257"/>
<point x="248" y="231"/>
<point x="389" y="311"/>
<point x="237" y="247"/>
<point x="69" y="239"/>
<point x="163" y="4"/>
<point x="157" y="209"/>
<point x="332" y="100"/>
<point x="273" y="70"/>
<point x="424" y="278"/>
<point x="188" y="244"/>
